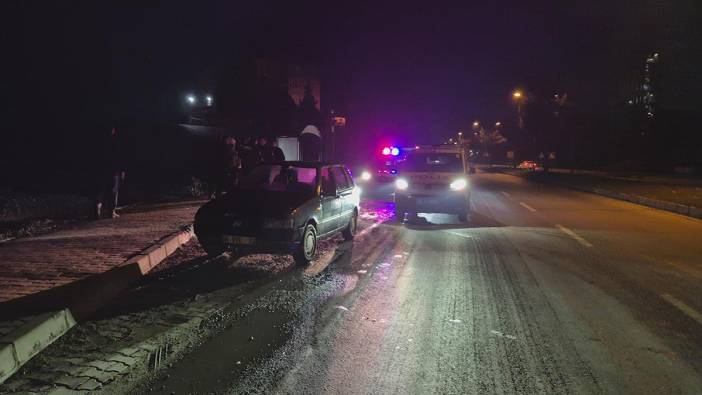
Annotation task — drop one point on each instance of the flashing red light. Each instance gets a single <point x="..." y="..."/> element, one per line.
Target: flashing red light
<point x="386" y="151"/>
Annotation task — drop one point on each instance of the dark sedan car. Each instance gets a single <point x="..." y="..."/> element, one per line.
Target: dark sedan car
<point x="284" y="207"/>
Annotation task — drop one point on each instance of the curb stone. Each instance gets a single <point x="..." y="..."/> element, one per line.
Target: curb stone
<point x="25" y="341"/>
<point x="688" y="211"/>
<point x="119" y="368"/>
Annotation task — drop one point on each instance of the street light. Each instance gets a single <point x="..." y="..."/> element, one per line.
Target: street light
<point x="191" y="99"/>
<point x="476" y="124"/>
<point x="498" y="124"/>
<point x="208" y="100"/>
<point x="518" y="97"/>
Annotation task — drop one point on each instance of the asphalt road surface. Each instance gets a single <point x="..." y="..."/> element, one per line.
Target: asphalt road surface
<point x="544" y="290"/>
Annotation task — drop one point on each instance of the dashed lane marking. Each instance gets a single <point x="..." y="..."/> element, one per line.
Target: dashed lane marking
<point x="506" y="193"/>
<point x="682" y="306"/>
<point x="574" y="235"/>
<point x="528" y="207"/>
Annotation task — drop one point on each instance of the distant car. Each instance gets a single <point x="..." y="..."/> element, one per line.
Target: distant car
<point x="281" y="208"/>
<point x="527" y="164"/>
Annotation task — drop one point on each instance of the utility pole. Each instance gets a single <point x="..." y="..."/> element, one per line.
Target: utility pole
<point x="333" y="137"/>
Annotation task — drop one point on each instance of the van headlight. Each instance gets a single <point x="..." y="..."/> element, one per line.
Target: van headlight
<point x="274" y="223"/>
<point x="401" y="184"/>
<point x="459" y="184"/>
<point x="366" y="176"/>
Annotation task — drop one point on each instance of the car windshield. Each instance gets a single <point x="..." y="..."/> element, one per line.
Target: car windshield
<point x="281" y="178"/>
<point x="433" y="162"/>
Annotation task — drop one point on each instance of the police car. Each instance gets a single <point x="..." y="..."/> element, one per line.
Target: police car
<point x="433" y="179"/>
<point x="383" y="167"/>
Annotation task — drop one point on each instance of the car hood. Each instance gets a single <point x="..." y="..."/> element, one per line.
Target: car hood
<point x="263" y="203"/>
<point x="431" y="177"/>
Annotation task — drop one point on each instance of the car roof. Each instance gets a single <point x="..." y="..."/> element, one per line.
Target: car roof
<point x="299" y="163"/>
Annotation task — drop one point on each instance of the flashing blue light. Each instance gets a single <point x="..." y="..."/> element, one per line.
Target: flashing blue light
<point x="394" y="151"/>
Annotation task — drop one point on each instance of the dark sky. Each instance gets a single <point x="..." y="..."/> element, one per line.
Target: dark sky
<point x="414" y="70"/>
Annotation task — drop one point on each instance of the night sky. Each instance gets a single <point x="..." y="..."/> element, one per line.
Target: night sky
<point x="417" y="71"/>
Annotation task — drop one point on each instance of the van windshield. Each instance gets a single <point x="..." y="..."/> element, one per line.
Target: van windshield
<point x="433" y="162"/>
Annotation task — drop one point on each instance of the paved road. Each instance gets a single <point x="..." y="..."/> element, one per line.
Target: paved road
<point x="546" y="290"/>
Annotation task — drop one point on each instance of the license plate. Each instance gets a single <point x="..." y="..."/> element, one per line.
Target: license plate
<point x="239" y="240"/>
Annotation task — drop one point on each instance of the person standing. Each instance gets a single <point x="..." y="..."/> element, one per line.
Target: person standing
<point x="249" y="155"/>
<point x="277" y="153"/>
<point x="111" y="175"/>
<point x="262" y="150"/>
<point x="229" y="165"/>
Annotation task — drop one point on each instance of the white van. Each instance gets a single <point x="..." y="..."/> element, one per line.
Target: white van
<point x="433" y="180"/>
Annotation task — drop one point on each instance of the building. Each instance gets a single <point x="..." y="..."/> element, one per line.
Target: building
<point x="302" y="81"/>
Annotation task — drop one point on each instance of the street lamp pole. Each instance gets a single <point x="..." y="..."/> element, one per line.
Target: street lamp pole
<point x="518" y="97"/>
<point x="333" y="137"/>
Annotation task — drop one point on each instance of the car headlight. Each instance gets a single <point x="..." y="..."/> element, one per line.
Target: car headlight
<point x="459" y="184"/>
<point x="366" y="176"/>
<point x="401" y="184"/>
<point x="272" y="223"/>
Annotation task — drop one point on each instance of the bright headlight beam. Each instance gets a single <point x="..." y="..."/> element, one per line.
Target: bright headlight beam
<point x="366" y="176"/>
<point x="458" y="184"/>
<point x="401" y="184"/>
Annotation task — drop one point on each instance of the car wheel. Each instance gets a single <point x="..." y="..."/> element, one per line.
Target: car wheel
<point x="212" y="249"/>
<point x="463" y="217"/>
<point x="308" y="246"/>
<point x="399" y="213"/>
<point x="350" y="230"/>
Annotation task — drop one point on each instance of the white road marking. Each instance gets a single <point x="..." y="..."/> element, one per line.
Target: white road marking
<point x="342" y="308"/>
<point x="459" y="234"/>
<point x="500" y="334"/>
<point x="574" y="235"/>
<point x="363" y="271"/>
<point x="455" y="321"/>
<point x="692" y="313"/>
<point x="528" y="207"/>
<point x="506" y="193"/>
<point x="368" y="229"/>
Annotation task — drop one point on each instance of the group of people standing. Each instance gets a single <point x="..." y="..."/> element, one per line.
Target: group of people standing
<point x="229" y="161"/>
<point x="236" y="159"/>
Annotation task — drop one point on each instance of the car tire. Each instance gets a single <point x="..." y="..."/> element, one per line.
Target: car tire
<point x="308" y="246"/>
<point x="212" y="249"/>
<point x="399" y="213"/>
<point x="463" y="217"/>
<point x="350" y="230"/>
